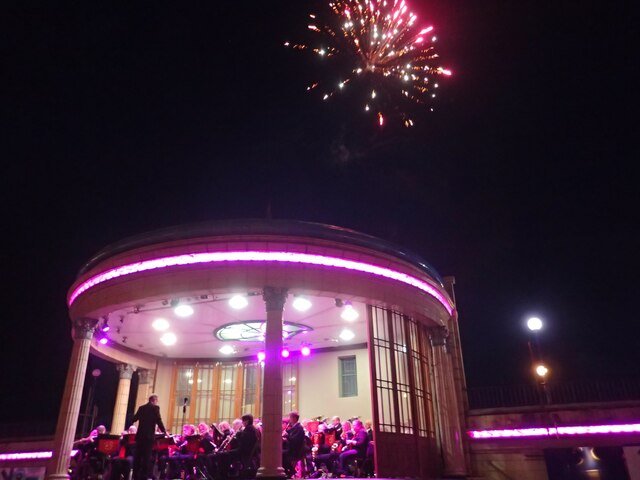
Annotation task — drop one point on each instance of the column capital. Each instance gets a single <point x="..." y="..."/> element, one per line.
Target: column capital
<point x="144" y="376"/>
<point x="438" y="336"/>
<point x="274" y="298"/>
<point x="125" y="371"/>
<point x="83" y="328"/>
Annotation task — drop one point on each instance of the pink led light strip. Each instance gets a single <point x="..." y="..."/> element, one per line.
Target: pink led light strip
<point x="6" y="457"/>
<point x="556" y="431"/>
<point x="256" y="256"/>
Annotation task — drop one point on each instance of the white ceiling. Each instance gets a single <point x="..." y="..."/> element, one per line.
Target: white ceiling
<point x="195" y="334"/>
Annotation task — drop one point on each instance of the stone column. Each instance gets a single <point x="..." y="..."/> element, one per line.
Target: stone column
<point x="83" y="329"/>
<point x="271" y="453"/>
<point x="451" y="432"/>
<point x="122" y="398"/>
<point x="144" y="385"/>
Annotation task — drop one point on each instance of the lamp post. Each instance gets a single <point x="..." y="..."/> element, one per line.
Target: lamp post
<point x="89" y="412"/>
<point x="535" y="324"/>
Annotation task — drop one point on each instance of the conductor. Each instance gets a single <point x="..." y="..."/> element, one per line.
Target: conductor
<point x="147" y="416"/>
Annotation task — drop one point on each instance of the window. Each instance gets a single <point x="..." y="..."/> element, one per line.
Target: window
<point x="348" y="377"/>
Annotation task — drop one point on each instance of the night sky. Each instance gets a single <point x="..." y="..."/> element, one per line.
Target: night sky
<point x="120" y="119"/>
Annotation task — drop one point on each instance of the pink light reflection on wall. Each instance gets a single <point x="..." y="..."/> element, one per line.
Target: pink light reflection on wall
<point x="257" y="256"/>
<point x="553" y="431"/>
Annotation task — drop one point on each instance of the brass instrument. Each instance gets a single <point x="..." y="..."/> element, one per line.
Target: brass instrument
<point x="226" y="442"/>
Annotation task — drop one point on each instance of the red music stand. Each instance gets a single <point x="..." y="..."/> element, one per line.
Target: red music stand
<point x="312" y="427"/>
<point x="108" y="444"/>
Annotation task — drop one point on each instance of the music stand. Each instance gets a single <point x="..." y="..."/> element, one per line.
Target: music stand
<point x="329" y="439"/>
<point x="108" y="444"/>
<point x="163" y="443"/>
<point x="193" y="444"/>
<point x="312" y="427"/>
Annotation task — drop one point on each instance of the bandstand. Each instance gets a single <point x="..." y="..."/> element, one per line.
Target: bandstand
<point x="268" y="316"/>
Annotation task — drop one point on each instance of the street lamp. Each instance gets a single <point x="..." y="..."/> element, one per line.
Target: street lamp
<point x="542" y="371"/>
<point x="534" y="324"/>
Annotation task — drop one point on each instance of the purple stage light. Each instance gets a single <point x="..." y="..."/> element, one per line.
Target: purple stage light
<point x="257" y="256"/>
<point x="261" y="356"/>
<point x="103" y="341"/>
<point x="285" y="353"/>
<point x="106" y="328"/>
<point x="555" y="431"/>
<point x="305" y="351"/>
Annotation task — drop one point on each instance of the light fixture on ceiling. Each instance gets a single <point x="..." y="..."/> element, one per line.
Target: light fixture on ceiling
<point x="103" y="340"/>
<point x="105" y="325"/>
<point x="183" y="310"/>
<point x="302" y="304"/>
<point x="261" y="356"/>
<point x="346" y="335"/>
<point x="227" y="349"/>
<point x="169" y="339"/>
<point x="238" y="302"/>
<point x="305" y="351"/>
<point x="349" y="313"/>
<point x="160" y="324"/>
<point x="285" y="353"/>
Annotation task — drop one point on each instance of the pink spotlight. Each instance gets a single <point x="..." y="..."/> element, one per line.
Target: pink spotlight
<point x="305" y="351"/>
<point x="103" y="341"/>
<point x="106" y="328"/>
<point x="285" y="353"/>
<point x="261" y="356"/>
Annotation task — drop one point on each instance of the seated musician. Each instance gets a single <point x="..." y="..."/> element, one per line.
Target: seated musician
<point x="89" y="458"/>
<point x="355" y="448"/>
<point x="295" y="444"/>
<point x="122" y="461"/>
<point x="243" y="450"/>
<point x="183" y="458"/>
<point x="335" y="426"/>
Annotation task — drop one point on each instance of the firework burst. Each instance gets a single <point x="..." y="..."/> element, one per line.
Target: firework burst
<point x="386" y="58"/>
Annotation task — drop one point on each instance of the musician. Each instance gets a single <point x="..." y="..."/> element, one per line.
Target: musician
<point x="183" y="458"/>
<point x="368" y="425"/>
<point x="357" y="447"/>
<point x="147" y="416"/>
<point x="295" y="443"/>
<point x="122" y="461"/>
<point x="335" y="426"/>
<point x="206" y="439"/>
<point x="244" y="450"/>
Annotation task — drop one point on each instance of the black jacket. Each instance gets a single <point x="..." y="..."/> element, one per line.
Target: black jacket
<point x="148" y="416"/>
<point x="295" y="438"/>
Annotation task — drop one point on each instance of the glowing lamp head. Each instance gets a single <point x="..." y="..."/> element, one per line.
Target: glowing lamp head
<point x="183" y="310"/>
<point x="227" y="350"/>
<point x="160" y="324"/>
<point x="346" y="335"/>
<point x="261" y="356"/>
<point x="103" y="341"/>
<point x="534" y="324"/>
<point x="349" y="313"/>
<point x="169" y="339"/>
<point x="305" y="351"/>
<point x="301" y="304"/>
<point x="542" y="371"/>
<point x="285" y="353"/>
<point x="106" y="328"/>
<point x="238" y="302"/>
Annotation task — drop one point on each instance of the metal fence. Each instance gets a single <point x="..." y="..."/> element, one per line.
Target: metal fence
<point x="583" y="391"/>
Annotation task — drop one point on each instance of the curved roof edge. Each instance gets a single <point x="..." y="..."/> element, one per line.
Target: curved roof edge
<point x="261" y="227"/>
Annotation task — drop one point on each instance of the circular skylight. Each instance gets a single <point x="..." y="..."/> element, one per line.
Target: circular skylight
<point x="254" y="330"/>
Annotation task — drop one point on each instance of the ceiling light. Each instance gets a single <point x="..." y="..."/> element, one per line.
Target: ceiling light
<point x="349" y="313"/>
<point x="305" y="351"/>
<point x="169" y="338"/>
<point x="238" y="302"/>
<point x="261" y="356"/>
<point x="285" y="353"/>
<point x="301" y="304"/>
<point x="160" y="324"/>
<point x="183" y="310"/>
<point x="347" y="335"/>
<point x="227" y="349"/>
<point x="103" y="341"/>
